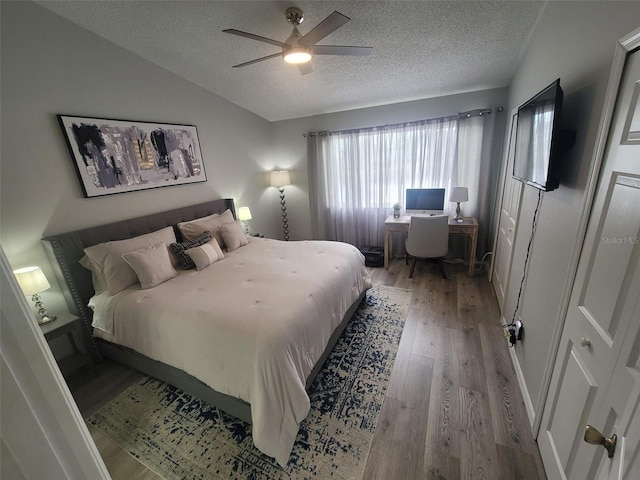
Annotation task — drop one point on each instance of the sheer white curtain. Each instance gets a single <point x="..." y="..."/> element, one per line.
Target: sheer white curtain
<point x="356" y="176"/>
<point x="476" y="170"/>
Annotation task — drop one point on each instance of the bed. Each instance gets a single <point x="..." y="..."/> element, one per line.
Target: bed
<point x="248" y="333"/>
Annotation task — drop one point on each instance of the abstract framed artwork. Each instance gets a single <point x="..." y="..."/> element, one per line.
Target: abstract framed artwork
<point x="115" y="156"/>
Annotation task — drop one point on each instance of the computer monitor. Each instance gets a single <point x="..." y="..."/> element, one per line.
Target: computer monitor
<point x="424" y="201"/>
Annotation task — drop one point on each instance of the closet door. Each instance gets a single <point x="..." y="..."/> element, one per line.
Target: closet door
<point x="509" y="212"/>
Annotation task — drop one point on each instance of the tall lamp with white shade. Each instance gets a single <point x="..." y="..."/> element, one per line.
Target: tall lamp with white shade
<point x="280" y="179"/>
<point x="32" y="281"/>
<point x="244" y="215"/>
<point x="458" y="194"/>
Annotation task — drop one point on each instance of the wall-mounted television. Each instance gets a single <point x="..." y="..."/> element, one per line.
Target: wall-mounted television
<point x="424" y="201"/>
<point x="536" y="156"/>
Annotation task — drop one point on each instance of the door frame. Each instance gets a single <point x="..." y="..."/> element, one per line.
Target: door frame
<point x="52" y="422"/>
<point x="625" y="44"/>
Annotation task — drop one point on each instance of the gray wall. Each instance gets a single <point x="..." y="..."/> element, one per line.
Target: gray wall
<point x="290" y="145"/>
<point x="574" y="41"/>
<point x="51" y="66"/>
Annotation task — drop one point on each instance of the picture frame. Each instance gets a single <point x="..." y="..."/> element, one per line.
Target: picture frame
<point x="115" y="156"/>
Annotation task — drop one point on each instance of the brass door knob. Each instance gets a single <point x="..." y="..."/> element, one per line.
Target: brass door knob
<point x="594" y="437"/>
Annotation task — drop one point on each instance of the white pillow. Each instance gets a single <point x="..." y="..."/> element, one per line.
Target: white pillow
<point x="151" y="264"/>
<point x="107" y="257"/>
<point x="233" y="235"/>
<point x="206" y="254"/>
<point x="211" y="223"/>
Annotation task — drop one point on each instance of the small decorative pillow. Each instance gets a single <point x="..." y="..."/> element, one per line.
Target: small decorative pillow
<point x="179" y="249"/>
<point x="210" y="223"/>
<point x="206" y="254"/>
<point x="233" y="235"/>
<point x="151" y="264"/>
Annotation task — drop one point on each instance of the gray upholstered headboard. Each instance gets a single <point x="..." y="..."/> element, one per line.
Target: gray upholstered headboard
<point x="66" y="249"/>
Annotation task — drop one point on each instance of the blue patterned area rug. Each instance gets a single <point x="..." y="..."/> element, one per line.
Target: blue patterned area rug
<point x="180" y="437"/>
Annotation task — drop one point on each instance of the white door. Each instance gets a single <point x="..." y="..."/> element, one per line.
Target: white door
<point x="505" y="236"/>
<point x="596" y="377"/>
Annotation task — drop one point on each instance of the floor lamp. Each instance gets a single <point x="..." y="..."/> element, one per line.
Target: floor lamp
<point x="280" y="179"/>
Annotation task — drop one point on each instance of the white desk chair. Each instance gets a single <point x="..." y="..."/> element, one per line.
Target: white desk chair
<point x="428" y="238"/>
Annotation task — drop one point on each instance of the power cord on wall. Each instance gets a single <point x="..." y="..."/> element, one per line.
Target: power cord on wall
<point x="482" y="260"/>
<point x="515" y="329"/>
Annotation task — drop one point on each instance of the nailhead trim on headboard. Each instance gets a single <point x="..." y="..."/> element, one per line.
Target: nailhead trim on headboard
<point x="57" y="251"/>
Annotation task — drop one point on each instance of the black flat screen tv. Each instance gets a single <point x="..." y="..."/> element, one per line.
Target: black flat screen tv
<point x="537" y="139"/>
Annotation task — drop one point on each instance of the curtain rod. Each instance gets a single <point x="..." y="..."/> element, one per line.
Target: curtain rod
<point x="471" y="113"/>
<point x="478" y="112"/>
<point x="387" y="125"/>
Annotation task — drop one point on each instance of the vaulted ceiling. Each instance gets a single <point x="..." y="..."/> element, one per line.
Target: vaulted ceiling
<point x="421" y="49"/>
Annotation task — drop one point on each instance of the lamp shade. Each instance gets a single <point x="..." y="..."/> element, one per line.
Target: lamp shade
<point x="459" y="194"/>
<point x="244" y="214"/>
<point x="31" y="280"/>
<point x="280" y="178"/>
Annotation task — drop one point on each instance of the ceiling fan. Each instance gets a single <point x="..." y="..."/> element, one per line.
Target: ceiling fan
<point x="298" y="49"/>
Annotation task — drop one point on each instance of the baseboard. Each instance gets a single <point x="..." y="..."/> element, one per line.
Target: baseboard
<point x="528" y="404"/>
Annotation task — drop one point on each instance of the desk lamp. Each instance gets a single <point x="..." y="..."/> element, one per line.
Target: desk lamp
<point x="458" y="194"/>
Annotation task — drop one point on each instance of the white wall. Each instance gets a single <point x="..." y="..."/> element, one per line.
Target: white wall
<point x="291" y="151"/>
<point x="574" y="41"/>
<point x="51" y="66"/>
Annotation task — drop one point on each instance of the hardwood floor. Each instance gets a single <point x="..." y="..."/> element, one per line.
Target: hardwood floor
<point x="453" y="408"/>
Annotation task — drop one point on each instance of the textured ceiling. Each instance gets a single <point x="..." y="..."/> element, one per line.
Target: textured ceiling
<point x="420" y="49"/>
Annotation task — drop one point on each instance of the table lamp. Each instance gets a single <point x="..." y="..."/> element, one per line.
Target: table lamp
<point x="280" y="179"/>
<point x="458" y="194"/>
<point x="32" y="281"/>
<point x="244" y="215"/>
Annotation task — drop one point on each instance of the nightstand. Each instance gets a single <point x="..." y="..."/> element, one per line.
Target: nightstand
<point x="67" y="323"/>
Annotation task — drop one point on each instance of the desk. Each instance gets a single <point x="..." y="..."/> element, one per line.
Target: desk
<point x="468" y="227"/>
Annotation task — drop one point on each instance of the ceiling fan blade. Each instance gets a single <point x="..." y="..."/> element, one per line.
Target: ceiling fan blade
<point x="305" y="68"/>
<point x="324" y="28"/>
<point x="261" y="59"/>
<point x="341" y="50"/>
<point x="252" y="36"/>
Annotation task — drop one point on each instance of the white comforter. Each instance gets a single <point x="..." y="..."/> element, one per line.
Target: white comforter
<point x="252" y="325"/>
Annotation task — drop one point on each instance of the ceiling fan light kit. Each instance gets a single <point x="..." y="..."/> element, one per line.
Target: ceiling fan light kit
<point x="297" y="55"/>
<point x="298" y="49"/>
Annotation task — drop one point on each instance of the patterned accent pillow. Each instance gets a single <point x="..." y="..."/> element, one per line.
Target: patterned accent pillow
<point x="179" y="249"/>
<point x="206" y="254"/>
